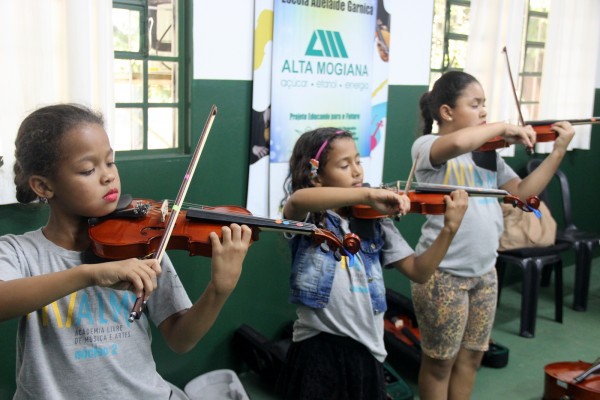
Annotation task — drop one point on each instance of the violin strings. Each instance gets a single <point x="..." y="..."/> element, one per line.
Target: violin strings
<point x="259" y="220"/>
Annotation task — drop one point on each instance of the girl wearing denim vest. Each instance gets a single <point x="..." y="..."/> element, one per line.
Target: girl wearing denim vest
<point x="338" y="350"/>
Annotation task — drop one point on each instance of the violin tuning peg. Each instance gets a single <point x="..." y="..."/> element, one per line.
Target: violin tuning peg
<point x="337" y="255"/>
<point x="324" y="247"/>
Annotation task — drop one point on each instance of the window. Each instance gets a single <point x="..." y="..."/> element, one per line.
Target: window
<point x="530" y="77"/>
<point x="149" y="75"/>
<point x="449" y="37"/>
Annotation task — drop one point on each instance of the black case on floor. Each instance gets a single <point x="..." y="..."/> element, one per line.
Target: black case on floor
<point x="266" y="357"/>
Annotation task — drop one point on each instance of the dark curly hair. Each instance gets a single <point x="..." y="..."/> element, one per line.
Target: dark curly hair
<point x="446" y="90"/>
<point x="307" y="146"/>
<point x="39" y="142"/>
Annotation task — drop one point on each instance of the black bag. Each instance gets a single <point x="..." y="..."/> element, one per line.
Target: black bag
<point x="262" y="356"/>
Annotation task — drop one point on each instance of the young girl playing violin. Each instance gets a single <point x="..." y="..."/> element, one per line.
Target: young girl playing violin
<point x="74" y="337"/>
<point x="455" y="308"/>
<point x="338" y="350"/>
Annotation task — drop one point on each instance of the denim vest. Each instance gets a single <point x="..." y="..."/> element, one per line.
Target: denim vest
<point x="312" y="269"/>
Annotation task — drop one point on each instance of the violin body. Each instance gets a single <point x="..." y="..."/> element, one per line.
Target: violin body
<point x="494" y="143"/>
<point x="543" y="133"/>
<point x="121" y="238"/>
<point x="420" y="203"/>
<point x="559" y="382"/>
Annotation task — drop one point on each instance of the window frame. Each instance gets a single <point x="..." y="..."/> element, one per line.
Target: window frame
<point x="436" y="71"/>
<point x="183" y="84"/>
<point x="527" y="45"/>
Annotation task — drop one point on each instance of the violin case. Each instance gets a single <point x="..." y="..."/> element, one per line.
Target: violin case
<point x="266" y="358"/>
<point x="403" y="339"/>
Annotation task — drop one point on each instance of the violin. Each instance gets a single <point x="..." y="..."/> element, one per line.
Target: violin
<point x="572" y="380"/>
<point x="429" y="199"/>
<point x="543" y="130"/>
<point x="137" y="230"/>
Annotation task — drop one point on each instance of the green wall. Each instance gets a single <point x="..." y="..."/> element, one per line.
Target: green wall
<point x="221" y="179"/>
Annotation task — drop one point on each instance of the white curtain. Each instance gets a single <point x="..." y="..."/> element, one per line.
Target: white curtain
<point x="570" y="63"/>
<point x="53" y="51"/>
<point x="568" y="76"/>
<point x="494" y="25"/>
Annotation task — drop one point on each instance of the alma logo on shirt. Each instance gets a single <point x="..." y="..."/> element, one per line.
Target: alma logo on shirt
<point x="117" y="311"/>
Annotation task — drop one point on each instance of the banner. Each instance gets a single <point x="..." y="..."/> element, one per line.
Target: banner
<point x="323" y="63"/>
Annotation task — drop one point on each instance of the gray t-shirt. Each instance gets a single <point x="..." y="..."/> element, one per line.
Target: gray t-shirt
<point x="349" y="311"/>
<point x="473" y="249"/>
<point x="82" y="346"/>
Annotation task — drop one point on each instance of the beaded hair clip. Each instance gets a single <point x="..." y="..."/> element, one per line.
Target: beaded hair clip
<point x="314" y="162"/>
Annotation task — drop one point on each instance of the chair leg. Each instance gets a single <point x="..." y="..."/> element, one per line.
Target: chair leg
<point x="583" y="264"/>
<point x="558" y="292"/>
<point x="531" y="283"/>
<point x="546" y="276"/>
<point x="500" y="268"/>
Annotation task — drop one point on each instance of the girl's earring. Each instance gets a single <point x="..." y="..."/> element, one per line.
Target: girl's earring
<point x="43" y="200"/>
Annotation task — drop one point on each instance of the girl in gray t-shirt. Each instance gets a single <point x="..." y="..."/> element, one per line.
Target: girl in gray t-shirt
<point x="455" y="308"/>
<point x="75" y="339"/>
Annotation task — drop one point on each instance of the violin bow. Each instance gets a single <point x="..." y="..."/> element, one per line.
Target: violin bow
<point x="514" y="91"/>
<point x="136" y="312"/>
<point x="411" y="174"/>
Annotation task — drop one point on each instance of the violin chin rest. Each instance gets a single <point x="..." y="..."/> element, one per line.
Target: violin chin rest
<point x="124" y="201"/>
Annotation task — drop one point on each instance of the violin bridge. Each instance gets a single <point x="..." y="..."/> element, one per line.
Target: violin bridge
<point x="164" y="210"/>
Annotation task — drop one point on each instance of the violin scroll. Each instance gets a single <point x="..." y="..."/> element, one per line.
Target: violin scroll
<point x="351" y="243"/>
<point x="326" y="240"/>
<point x="532" y="203"/>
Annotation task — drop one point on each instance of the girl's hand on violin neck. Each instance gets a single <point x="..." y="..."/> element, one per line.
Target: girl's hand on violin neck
<point x="139" y="276"/>
<point x="519" y="134"/>
<point x="389" y="202"/>
<point x="456" y="206"/>
<point x="565" y="133"/>
<point x="228" y="256"/>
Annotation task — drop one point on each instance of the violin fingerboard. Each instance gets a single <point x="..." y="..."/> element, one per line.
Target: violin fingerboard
<point x="198" y="214"/>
